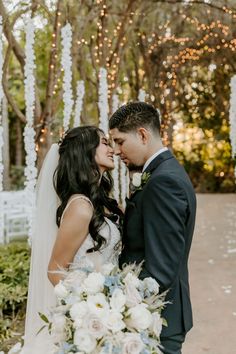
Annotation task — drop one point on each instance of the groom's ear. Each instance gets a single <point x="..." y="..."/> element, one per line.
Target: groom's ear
<point x="143" y="134"/>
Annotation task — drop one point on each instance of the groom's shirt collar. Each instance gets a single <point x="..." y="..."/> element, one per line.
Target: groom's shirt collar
<point x="153" y="157"/>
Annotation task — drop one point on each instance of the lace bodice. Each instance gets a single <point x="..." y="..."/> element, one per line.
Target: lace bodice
<point x="109" y="252"/>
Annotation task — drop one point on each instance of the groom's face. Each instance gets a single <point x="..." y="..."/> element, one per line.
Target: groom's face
<point x="129" y="146"/>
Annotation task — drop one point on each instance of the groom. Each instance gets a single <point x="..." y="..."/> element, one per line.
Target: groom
<point x="160" y="214"/>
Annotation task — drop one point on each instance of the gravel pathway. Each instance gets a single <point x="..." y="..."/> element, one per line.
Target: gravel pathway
<point x="213" y="277"/>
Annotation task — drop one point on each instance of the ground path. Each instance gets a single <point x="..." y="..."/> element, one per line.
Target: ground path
<point x="213" y="277"/>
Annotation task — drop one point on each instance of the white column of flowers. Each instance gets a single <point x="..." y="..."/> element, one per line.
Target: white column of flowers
<point x="115" y="172"/>
<point x="1" y="99"/>
<point x="232" y="118"/>
<point x="79" y="102"/>
<point x="103" y="100"/>
<point x="142" y="95"/>
<point x="29" y="132"/>
<point x="123" y="183"/>
<point x="1" y="140"/>
<point x="66" y="62"/>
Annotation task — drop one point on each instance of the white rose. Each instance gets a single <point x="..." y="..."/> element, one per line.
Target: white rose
<point x="137" y="179"/>
<point x="107" y="268"/>
<point x="97" y="304"/>
<point x="60" y="290"/>
<point x="94" y="326"/>
<point x="118" y="300"/>
<point x="132" y="344"/>
<point x="132" y="279"/>
<point x="58" y="325"/>
<point x="62" y="309"/>
<point x="75" y="278"/>
<point x="151" y="284"/>
<point x="133" y="297"/>
<point x="140" y="318"/>
<point x="156" y="324"/>
<point x="78" y="310"/>
<point x="84" y="341"/>
<point x="59" y="322"/>
<point x="93" y="283"/>
<point x="73" y="298"/>
<point x="78" y="323"/>
<point x="114" y="322"/>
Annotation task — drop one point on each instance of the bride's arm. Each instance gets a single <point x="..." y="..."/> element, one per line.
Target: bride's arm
<point x="72" y="232"/>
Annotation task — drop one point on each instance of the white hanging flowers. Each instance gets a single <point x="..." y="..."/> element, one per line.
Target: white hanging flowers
<point x="115" y="103"/>
<point x="79" y="103"/>
<point x="1" y="98"/>
<point x="232" y="117"/>
<point x="115" y="171"/>
<point x="103" y="100"/>
<point x="123" y="183"/>
<point x="142" y="95"/>
<point x="66" y="62"/>
<point x="29" y="133"/>
<point x="1" y="140"/>
<point x="1" y="158"/>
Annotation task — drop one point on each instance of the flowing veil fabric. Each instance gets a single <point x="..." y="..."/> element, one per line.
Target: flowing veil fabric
<point x="40" y="293"/>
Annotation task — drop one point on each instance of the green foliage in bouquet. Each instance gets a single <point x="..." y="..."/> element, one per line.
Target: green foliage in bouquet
<point x="14" y="274"/>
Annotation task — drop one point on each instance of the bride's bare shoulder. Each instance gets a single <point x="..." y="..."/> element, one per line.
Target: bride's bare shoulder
<point x="78" y="206"/>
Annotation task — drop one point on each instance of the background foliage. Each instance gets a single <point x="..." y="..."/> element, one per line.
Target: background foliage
<point x="182" y="53"/>
<point x="14" y="273"/>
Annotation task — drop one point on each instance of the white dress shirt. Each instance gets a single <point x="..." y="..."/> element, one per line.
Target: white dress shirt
<point x="153" y="157"/>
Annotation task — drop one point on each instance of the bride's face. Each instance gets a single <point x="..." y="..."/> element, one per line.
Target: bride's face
<point x="104" y="155"/>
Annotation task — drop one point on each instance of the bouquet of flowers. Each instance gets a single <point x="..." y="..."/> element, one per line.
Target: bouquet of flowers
<point x="111" y="311"/>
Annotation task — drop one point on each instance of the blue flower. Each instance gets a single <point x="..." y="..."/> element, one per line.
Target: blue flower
<point x="145" y="338"/>
<point x="65" y="348"/>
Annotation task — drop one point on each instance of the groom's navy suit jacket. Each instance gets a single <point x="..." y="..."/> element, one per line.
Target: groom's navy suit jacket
<point x="158" y="228"/>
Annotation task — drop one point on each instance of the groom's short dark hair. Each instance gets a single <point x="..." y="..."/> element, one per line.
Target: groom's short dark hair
<point x="134" y="115"/>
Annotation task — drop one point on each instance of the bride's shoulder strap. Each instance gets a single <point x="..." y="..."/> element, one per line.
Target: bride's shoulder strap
<point x="75" y="197"/>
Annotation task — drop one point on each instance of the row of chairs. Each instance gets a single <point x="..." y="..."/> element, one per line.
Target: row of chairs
<point x="15" y="213"/>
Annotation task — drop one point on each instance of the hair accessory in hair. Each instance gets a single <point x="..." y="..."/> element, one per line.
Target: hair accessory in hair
<point x="62" y="139"/>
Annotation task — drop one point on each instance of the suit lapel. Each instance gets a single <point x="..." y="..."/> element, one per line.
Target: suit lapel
<point x="166" y="155"/>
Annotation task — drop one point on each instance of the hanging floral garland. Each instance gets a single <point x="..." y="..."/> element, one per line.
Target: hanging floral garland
<point x="141" y="95"/>
<point x="103" y="100"/>
<point x="115" y="171"/>
<point x="115" y="103"/>
<point x="79" y="103"/>
<point x="1" y="98"/>
<point x="66" y="62"/>
<point x="232" y="118"/>
<point x="123" y="183"/>
<point x="29" y="132"/>
<point x="1" y="140"/>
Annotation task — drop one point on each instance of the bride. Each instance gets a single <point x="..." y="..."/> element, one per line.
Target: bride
<point x="77" y="223"/>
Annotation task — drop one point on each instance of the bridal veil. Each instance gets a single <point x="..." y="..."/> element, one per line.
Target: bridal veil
<point x="40" y="293"/>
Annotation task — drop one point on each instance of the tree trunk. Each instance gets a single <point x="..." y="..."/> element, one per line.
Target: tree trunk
<point x="6" y="151"/>
<point x="19" y="156"/>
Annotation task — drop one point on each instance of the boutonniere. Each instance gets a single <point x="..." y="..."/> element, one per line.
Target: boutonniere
<point x="140" y="179"/>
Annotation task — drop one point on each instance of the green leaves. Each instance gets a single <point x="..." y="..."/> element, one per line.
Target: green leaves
<point x="14" y="274"/>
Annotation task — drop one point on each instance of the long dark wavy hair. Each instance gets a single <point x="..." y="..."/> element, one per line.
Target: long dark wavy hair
<point x="78" y="173"/>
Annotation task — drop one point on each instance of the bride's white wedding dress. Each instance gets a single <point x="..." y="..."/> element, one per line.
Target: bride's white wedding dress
<point x="42" y="343"/>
